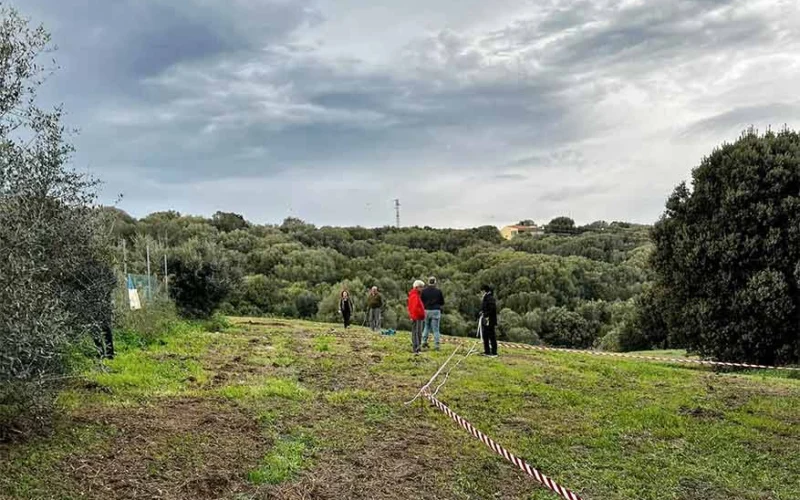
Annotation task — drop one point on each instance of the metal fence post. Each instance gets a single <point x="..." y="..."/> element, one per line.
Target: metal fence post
<point x="149" y="283"/>
<point x="166" y="276"/>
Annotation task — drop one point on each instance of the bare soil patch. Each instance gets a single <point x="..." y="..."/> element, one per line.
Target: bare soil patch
<point x="185" y="448"/>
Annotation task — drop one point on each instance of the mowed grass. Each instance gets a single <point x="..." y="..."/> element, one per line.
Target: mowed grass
<point x="626" y="429"/>
<point x="282" y="409"/>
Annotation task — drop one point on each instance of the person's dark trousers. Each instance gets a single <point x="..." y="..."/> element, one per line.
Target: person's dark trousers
<point x="346" y="317"/>
<point x="105" y="343"/>
<point x="489" y="340"/>
<point x="416" y="335"/>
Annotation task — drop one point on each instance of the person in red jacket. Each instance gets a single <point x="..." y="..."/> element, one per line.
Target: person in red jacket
<point x="416" y="311"/>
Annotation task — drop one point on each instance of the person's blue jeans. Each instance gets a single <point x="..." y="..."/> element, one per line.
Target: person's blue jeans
<point x="432" y="320"/>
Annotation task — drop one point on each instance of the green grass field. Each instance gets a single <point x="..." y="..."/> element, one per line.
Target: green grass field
<point x="292" y="410"/>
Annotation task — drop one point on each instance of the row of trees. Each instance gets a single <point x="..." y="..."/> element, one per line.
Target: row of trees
<point x="298" y="270"/>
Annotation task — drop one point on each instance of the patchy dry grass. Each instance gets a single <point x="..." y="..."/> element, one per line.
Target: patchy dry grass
<point x="291" y="410"/>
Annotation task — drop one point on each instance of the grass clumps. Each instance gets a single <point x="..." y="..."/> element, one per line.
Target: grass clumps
<point x="144" y="327"/>
<point x="323" y="343"/>
<point x="270" y="388"/>
<point x="168" y="365"/>
<point x="348" y="396"/>
<point x="149" y="375"/>
<point x="284" y="461"/>
<point x="217" y="323"/>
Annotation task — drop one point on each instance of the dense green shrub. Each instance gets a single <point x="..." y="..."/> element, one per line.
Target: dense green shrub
<point x="609" y="342"/>
<point x="454" y="324"/>
<point x="562" y="327"/>
<point x="520" y="334"/>
<point x="727" y="253"/>
<point x="307" y="305"/>
<point x="200" y="278"/>
<point x="631" y="336"/>
<point x="217" y="323"/>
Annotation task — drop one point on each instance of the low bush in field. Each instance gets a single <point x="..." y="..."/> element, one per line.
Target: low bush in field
<point x="146" y="325"/>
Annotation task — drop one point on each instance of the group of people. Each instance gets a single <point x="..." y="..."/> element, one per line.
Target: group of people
<point x="425" y="305"/>
<point x="374" y="308"/>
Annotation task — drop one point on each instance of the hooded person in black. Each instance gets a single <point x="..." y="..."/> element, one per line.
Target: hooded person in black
<point x="488" y="320"/>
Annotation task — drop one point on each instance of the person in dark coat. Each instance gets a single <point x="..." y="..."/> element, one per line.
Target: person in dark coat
<point x="346" y="308"/>
<point x="433" y="299"/>
<point x="488" y="321"/>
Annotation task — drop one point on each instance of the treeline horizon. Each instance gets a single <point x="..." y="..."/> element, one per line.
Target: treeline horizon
<point x="540" y="222"/>
<point x="571" y="286"/>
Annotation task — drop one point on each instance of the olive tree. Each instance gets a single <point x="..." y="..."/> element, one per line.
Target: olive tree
<point x="55" y="282"/>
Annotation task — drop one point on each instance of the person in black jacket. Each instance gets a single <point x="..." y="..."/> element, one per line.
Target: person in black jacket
<point x="345" y="308"/>
<point x="433" y="299"/>
<point x="489" y="321"/>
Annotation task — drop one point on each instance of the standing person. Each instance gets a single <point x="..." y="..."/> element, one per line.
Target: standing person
<point x="345" y="308"/>
<point x="89" y="300"/>
<point x="374" y="303"/>
<point x="416" y="312"/>
<point x="433" y="299"/>
<point x="488" y="319"/>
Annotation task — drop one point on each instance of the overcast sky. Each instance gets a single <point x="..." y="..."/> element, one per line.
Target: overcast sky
<point x="471" y="112"/>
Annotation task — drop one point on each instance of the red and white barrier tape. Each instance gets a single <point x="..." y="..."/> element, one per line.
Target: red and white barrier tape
<point x="514" y="345"/>
<point x="520" y="463"/>
<point x="652" y="358"/>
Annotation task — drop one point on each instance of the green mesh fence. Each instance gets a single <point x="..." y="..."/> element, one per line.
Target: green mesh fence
<point x="149" y="290"/>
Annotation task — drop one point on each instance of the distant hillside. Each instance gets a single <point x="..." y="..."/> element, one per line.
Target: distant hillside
<point x="572" y="286"/>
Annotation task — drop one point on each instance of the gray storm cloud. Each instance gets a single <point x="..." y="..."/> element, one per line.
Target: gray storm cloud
<point x="470" y="112"/>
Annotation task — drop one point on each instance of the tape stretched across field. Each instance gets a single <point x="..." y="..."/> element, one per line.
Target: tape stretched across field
<point x="522" y="464"/>
<point x="513" y="345"/>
